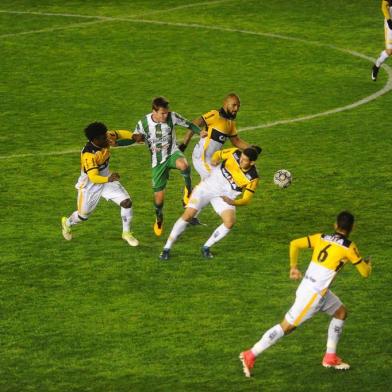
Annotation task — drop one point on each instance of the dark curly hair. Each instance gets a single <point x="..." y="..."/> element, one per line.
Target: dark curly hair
<point x="95" y="130"/>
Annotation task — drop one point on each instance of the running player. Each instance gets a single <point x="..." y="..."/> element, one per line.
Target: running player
<point x="156" y="129"/>
<point x="235" y="174"/>
<point x="330" y="253"/>
<point x="219" y="125"/>
<point x="96" y="181"/>
<point x="386" y="7"/>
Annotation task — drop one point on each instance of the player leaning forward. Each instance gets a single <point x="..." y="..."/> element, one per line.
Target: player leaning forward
<point x="218" y="126"/>
<point x="330" y="254"/>
<point x="96" y="181"/>
<point x="233" y="172"/>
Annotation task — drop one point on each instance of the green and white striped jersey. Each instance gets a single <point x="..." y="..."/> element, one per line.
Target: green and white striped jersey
<point x="160" y="138"/>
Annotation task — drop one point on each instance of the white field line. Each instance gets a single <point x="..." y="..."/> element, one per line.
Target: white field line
<point x="51" y="29"/>
<point x="387" y="87"/>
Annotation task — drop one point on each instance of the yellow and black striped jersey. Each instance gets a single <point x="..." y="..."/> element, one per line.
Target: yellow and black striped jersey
<point x="219" y="129"/>
<point x="239" y="180"/>
<point x="94" y="160"/>
<point x="330" y="253"/>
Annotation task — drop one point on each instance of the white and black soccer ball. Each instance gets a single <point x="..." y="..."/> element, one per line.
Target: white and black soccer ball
<point x="283" y="178"/>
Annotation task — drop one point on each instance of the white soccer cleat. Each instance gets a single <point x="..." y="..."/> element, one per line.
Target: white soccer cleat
<point x="128" y="237"/>
<point x="333" y="361"/>
<point x="66" y="230"/>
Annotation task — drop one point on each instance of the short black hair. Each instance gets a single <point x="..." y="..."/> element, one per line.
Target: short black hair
<point x="159" y="102"/>
<point x="345" y="221"/>
<point x="252" y="152"/>
<point x="95" y="130"/>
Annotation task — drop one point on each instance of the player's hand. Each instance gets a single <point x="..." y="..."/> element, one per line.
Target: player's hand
<point x="203" y="133"/>
<point x="295" y="273"/>
<point x="228" y="200"/>
<point x="114" y="177"/>
<point x="389" y="21"/>
<point x="182" y="147"/>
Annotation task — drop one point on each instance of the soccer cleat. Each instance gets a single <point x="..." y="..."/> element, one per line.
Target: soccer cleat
<point x="195" y="221"/>
<point x="333" y="361"/>
<point x="158" y="228"/>
<point x="67" y="232"/>
<point x="128" y="237"/>
<point x="375" y="70"/>
<point x="165" y="254"/>
<point x="205" y="251"/>
<point x="248" y="361"/>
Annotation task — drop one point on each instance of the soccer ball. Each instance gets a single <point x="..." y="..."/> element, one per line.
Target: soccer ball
<point x="282" y="178"/>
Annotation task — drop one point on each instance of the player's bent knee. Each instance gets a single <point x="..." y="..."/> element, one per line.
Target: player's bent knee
<point x="127" y="203"/>
<point x="341" y="313"/>
<point x="230" y="224"/>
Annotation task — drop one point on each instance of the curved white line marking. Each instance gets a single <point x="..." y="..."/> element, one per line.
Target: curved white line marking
<point x="387" y="87"/>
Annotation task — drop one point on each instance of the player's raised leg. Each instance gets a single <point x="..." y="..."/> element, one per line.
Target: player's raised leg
<point x="183" y="166"/>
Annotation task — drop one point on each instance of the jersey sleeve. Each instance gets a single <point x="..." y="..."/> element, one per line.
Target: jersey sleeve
<point x="248" y="193"/>
<point x="385" y="9"/>
<point x="139" y="130"/>
<point x="355" y="258"/>
<point x="309" y="241"/>
<point x="209" y="117"/>
<point x="183" y="122"/>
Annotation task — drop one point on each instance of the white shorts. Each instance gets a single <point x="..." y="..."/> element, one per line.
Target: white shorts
<point x="388" y="36"/>
<point x="308" y="303"/>
<point x="88" y="198"/>
<point x="199" y="164"/>
<point x="210" y="190"/>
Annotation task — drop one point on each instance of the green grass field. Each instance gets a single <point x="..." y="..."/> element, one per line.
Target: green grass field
<point x="94" y="314"/>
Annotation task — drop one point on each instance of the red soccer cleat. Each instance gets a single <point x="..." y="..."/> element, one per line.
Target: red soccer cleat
<point x="332" y="360"/>
<point x="248" y="361"/>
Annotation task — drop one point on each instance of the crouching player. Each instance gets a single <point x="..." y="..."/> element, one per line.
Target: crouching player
<point x="234" y="173"/>
<point x="96" y="181"/>
<point x="330" y="253"/>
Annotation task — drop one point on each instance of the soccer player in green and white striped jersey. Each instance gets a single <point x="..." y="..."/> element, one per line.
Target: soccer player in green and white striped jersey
<point x="157" y="130"/>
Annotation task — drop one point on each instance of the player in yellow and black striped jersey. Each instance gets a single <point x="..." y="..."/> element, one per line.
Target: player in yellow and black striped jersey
<point x="218" y="126"/>
<point x="330" y="253"/>
<point x="234" y="174"/>
<point x="96" y="181"/>
<point x="386" y="8"/>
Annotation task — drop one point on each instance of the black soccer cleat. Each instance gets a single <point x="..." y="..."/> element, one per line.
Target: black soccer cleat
<point x="205" y="251"/>
<point x="165" y="254"/>
<point x="195" y="221"/>
<point x="375" y="70"/>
